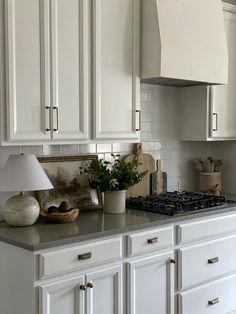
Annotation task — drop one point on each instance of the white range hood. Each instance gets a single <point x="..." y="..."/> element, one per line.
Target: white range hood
<point x="183" y="43"/>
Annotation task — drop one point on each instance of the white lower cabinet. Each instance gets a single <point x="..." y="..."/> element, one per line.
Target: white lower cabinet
<point x="131" y="273"/>
<point x="215" y="298"/>
<point x="98" y="292"/>
<point x="207" y="267"/>
<point x="104" y="291"/>
<point x="205" y="261"/>
<point x="151" y="285"/>
<point x="63" y="296"/>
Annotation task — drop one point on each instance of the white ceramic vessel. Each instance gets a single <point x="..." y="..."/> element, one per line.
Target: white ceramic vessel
<point x="21" y="210"/>
<point x="114" y="202"/>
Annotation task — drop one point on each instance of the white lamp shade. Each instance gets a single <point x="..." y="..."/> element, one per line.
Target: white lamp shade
<point x="23" y="173"/>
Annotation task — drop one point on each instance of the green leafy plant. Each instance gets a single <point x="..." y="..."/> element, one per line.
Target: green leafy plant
<point x="112" y="176"/>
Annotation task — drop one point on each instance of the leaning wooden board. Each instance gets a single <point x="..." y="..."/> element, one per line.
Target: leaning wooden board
<point x="158" y="180"/>
<point x="159" y="177"/>
<point x="146" y="162"/>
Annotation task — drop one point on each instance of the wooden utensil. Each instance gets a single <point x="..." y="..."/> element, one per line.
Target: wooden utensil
<point x="144" y="162"/>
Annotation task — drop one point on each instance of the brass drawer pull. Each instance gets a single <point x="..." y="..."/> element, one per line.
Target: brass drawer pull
<point x="85" y="256"/>
<point x="213" y="260"/>
<point x="213" y="301"/>
<point x="152" y="240"/>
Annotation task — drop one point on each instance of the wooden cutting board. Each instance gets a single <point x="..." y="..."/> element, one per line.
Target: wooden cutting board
<point x="146" y="163"/>
<point x="160" y="184"/>
<point x="158" y="180"/>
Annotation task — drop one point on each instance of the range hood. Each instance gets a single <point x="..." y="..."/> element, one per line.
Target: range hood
<point x="183" y="43"/>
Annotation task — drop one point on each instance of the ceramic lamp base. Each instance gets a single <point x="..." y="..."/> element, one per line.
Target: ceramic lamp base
<point x="114" y="202"/>
<point x="21" y="210"/>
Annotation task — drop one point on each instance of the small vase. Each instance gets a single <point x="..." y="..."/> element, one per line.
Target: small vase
<point x="114" y="202"/>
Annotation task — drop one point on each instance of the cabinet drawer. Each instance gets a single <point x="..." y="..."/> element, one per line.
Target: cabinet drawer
<point x="206" y="261"/>
<point x="207" y="228"/>
<point x="215" y="298"/>
<point x="150" y="240"/>
<point x="79" y="256"/>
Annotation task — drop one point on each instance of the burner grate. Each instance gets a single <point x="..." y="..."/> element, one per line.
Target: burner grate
<point x="175" y="203"/>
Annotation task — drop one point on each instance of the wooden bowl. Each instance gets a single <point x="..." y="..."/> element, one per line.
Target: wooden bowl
<point x="69" y="216"/>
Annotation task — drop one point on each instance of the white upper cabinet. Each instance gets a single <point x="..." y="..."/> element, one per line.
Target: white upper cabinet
<point x="27" y="69"/>
<point x="46" y="69"/>
<point x="69" y="68"/>
<point x="209" y="113"/>
<point x="52" y="78"/>
<point x="116" y="69"/>
<point x="223" y="102"/>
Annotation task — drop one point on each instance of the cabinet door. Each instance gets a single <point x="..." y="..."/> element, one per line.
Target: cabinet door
<point x="223" y="115"/>
<point x="27" y="69"/>
<point x="62" y="297"/>
<point x="116" y="59"/>
<point x="104" y="291"/>
<point x="69" y="58"/>
<point x="151" y="288"/>
<point x="208" y="113"/>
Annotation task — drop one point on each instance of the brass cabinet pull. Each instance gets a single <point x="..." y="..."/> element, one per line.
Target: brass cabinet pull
<point x="57" y="128"/>
<point x="139" y="112"/>
<point x="213" y="260"/>
<point x="82" y="287"/>
<point x="49" y="118"/>
<point x="213" y="301"/>
<point x="85" y="256"/>
<point x="216" y="125"/>
<point x="90" y="285"/>
<point x="152" y="240"/>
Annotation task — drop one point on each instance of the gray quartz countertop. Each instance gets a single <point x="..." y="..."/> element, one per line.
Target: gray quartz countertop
<point x="91" y="225"/>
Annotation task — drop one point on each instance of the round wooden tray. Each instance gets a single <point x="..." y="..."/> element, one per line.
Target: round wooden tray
<point x="69" y="216"/>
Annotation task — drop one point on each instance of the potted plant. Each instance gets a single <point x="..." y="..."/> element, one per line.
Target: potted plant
<point x="113" y="178"/>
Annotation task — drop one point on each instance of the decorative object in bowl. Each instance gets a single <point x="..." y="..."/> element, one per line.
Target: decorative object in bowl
<point x="60" y="217"/>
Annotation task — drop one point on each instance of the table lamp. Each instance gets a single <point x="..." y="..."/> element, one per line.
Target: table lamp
<point x="22" y="173"/>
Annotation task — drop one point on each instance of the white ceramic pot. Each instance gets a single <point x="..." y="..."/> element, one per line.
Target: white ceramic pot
<point x="114" y="202"/>
<point x="208" y="181"/>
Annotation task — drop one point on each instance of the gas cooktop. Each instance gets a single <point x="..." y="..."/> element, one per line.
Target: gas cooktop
<point x="177" y="203"/>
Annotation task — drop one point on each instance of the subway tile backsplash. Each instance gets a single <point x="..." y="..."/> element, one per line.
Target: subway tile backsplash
<point x="159" y="137"/>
